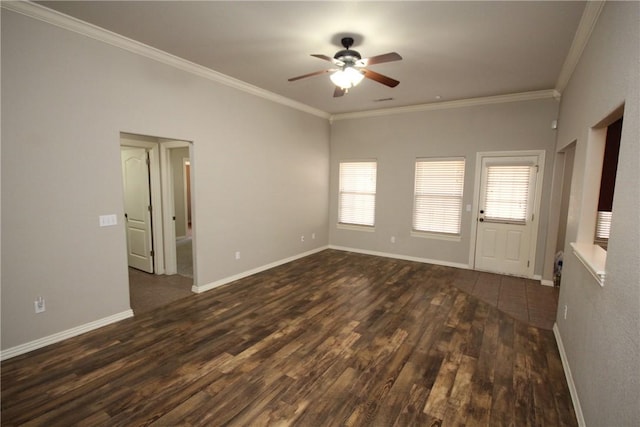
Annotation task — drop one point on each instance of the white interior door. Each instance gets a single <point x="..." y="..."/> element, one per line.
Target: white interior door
<point x="137" y="205"/>
<point x="504" y="234"/>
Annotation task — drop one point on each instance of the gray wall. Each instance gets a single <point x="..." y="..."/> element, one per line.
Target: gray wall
<point x="601" y="335"/>
<point x="261" y="173"/>
<point x="262" y="179"/>
<point x="397" y="140"/>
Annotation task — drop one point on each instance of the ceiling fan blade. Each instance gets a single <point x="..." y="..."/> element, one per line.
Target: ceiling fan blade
<point x="379" y="59"/>
<point x="338" y="92"/>
<point x="316" y="73"/>
<point x="327" y="58"/>
<point x="388" y="81"/>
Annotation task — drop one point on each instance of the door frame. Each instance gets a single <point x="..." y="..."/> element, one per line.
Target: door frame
<point x="156" y="196"/>
<point x="170" y="256"/>
<point x="186" y="173"/>
<point x="533" y="241"/>
<point x="561" y="182"/>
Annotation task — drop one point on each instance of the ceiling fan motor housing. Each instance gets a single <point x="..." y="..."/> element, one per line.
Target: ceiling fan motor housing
<point x="347" y="55"/>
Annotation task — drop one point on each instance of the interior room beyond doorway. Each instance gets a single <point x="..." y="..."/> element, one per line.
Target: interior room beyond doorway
<point x="161" y="191"/>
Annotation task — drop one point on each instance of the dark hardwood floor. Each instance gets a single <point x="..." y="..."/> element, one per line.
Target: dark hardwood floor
<point x="335" y="338"/>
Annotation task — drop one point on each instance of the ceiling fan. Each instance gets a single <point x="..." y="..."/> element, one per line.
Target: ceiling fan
<point x="351" y="68"/>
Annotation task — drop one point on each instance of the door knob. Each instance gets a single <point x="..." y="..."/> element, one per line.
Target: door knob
<point x="481" y="219"/>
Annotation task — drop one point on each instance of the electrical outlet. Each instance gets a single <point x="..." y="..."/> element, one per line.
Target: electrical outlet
<point x="302" y="238"/>
<point x="565" y="312"/>
<point x="238" y="255"/>
<point x="39" y="305"/>
<point x="313" y="236"/>
<point x="393" y="239"/>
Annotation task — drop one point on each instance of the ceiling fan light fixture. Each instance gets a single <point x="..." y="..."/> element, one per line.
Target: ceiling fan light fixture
<point x="347" y="78"/>
<point x="351" y="68"/>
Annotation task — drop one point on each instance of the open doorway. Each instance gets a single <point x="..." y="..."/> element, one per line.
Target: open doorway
<point x="565" y="161"/>
<point x="157" y="193"/>
<point x="179" y="237"/>
<point x="181" y="184"/>
<point x="567" y="157"/>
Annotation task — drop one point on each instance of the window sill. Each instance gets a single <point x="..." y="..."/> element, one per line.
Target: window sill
<point x="356" y="227"/>
<point x="594" y="259"/>
<point x="437" y="236"/>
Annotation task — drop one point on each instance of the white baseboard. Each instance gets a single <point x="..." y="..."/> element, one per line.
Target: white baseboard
<point x="545" y="282"/>
<point x="61" y="336"/>
<point x="567" y="372"/>
<point x="208" y="286"/>
<point x="403" y="257"/>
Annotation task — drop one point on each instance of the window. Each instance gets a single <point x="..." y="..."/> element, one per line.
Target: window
<point x="507" y="193"/>
<point x="357" y="193"/>
<point x="608" y="183"/>
<point x="601" y="166"/>
<point x="438" y="195"/>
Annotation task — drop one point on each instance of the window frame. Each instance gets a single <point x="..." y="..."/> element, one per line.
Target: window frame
<point x="361" y="226"/>
<point x="442" y="235"/>
<point x="604" y="214"/>
<point x="587" y="247"/>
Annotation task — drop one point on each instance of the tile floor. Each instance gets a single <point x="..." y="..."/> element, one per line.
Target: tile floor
<point x="150" y="291"/>
<point x="524" y="299"/>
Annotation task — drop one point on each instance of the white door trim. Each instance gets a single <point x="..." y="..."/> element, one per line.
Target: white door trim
<point x="171" y="263"/>
<point x="186" y="178"/>
<point x="536" y="206"/>
<point x="156" y="197"/>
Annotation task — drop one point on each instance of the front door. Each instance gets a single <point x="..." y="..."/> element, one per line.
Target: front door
<point x="504" y="235"/>
<point x="137" y="205"/>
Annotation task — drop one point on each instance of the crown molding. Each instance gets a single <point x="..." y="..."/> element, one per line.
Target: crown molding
<point x="78" y="26"/>
<point x="587" y="23"/>
<point x="61" y="20"/>
<point x="461" y="103"/>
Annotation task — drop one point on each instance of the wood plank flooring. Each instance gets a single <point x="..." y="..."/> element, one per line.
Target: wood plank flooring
<point x="335" y="338"/>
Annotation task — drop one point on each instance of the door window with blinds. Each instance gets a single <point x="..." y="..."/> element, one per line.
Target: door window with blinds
<point x="507" y="192"/>
<point x="357" y="193"/>
<point x="439" y="185"/>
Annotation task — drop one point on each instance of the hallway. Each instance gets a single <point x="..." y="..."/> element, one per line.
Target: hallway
<point x="150" y="291"/>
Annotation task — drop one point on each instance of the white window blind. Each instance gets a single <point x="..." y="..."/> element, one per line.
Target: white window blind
<point x="507" y="193"/>
<point x="603" y="225"/>
<point x="357" y="203"/>
<point x="438" y="195"/>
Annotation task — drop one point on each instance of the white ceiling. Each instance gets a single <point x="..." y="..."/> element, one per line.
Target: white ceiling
<point x="455" y="50"/>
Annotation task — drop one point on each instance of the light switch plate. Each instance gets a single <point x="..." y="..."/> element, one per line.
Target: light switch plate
<point x="108" y="220"/>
